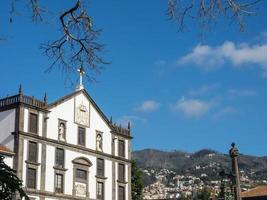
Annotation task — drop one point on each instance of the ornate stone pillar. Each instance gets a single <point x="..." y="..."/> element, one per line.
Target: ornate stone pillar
<point x="233" y="152"/>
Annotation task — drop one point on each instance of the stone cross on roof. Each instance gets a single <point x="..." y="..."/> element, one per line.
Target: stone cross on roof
<point x="81" y="73"/>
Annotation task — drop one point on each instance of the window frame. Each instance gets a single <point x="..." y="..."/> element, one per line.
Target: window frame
<point x="28" y="180"/>
<point x="98" y="167"/>
<point x="102" y="197"/>
<point x="31" y="113"/>
<point x="29" y="152"/>
<point x="124" y="192"/>
<point x="81" y="178"/>
<point x="78" y="136"/>
<point x="121" y="179"/>
<point x="121" y="152"/>
<point x="81" y="163"/>
<point x="56" y="151"/>
<point x="59" y="190"/>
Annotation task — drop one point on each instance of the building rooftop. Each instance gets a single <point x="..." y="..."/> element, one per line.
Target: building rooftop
<point x="5" y="150"/>
<point x="256" y="192"/>
<point x="20" y="98"/>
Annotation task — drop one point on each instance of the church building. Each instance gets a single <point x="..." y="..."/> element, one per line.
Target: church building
<point x="67" y="149"/>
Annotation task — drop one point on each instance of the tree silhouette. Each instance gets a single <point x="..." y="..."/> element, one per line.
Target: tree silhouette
<point x="10" y="184"/>
<point x="137" y="182"/>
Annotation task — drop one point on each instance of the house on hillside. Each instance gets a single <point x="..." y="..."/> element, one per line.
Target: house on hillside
<point x="66" y="149"/>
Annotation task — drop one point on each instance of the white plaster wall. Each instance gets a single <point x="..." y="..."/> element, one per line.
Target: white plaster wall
<point x="26" y="119"/>
<point x="40" y="123"/>
<point x="9" y="161"/>
<point x="97" y="123"/>
<point x="65" y="111"/>
<point x="116" y="146"/>
<point x="7" y="126"/>
<point x="108" y="182"/>
<point x="126" y="143"/>
<point x="69" y="157"/>
<point x="49" y="173"/>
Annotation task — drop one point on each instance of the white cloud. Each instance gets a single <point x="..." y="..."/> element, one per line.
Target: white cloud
<point x="148" y="106"/>
<point x="210" y="58"/>
<point x="192" y="107"/>
<point x="204" y="89"/>
<point x="124" y="120"/>
<point x="228" y="110"/>
<point x="242" y="93"/>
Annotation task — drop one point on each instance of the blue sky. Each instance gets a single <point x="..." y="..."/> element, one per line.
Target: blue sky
<point x="178" y="91"/>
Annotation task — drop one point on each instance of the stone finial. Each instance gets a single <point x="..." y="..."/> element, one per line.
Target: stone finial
<point x="233" y="152"/>
<point x="110" y="120"/>
<point x="45" y="97"/>
<point x="129" y="125"/>
<point x="20" y="89"/>
<point x="233" y="144"/>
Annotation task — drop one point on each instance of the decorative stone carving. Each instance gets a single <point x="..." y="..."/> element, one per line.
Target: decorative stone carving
<point x="80" y="189"/>
<point x="61" y="131"/>
<point x="82" y="115"/>
<point x="99" y="142"/>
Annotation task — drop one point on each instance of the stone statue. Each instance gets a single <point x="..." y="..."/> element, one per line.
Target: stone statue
<point x="61" y="131"/>
<point x="99" y="142"/>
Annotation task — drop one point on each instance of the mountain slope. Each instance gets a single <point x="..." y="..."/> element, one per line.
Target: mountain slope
<point x="205" y="161"/>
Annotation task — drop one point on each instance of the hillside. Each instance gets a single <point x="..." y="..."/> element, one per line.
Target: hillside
<point x="182" y="161"/>
<point x="180" y="171"/>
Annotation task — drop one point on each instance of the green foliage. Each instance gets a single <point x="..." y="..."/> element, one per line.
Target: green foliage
<point x="137" y="182"/>
<point x="9" y="182"/>
<point x="204" y="194"/>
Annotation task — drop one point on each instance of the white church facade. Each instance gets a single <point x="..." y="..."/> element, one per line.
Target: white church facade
<point x="67" y="149"/>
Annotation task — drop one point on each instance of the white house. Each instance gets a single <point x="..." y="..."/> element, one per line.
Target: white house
<point x="66" y="149"/>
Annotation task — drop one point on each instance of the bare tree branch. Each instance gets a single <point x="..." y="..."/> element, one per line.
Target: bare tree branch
<point x="78" y="44"/>
<point x="36" y="10"/>
<point x="207" y="11"/>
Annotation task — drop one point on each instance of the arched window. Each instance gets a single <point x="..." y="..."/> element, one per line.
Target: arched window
<point x="81" y="167"/>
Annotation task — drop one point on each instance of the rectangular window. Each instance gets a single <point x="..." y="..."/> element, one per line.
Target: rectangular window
<point x="31" y="178"/>
<point x="100" y="167"/>
<point x="60" y="157"/>
<point x="33" y="123"/>
<point x="100" y="191"/>
<point x="81" y="136"/>
<point x="32" y="155"/>
<point x="121" y="148"/>
<point x="121" y="193"/>
<point x="81" y="174"/>
<point x="121" y="174"/>
<point x="59" y="183"/>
